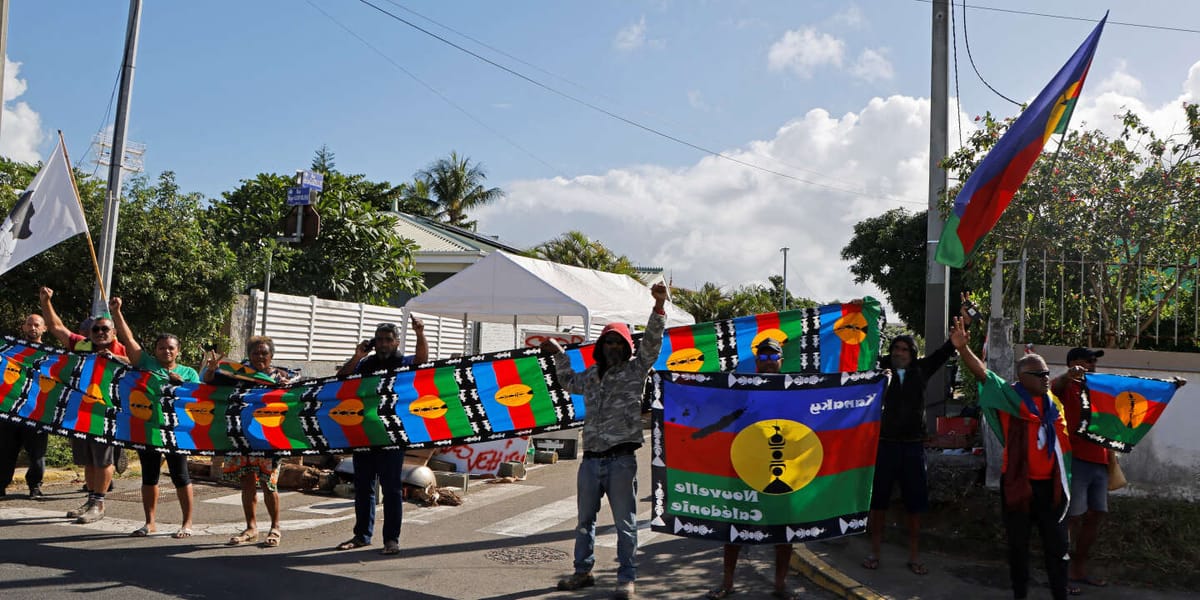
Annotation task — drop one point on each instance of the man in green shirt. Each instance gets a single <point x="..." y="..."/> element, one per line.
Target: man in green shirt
<point x="163" y="363"/>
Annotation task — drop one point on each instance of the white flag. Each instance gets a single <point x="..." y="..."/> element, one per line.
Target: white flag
<point x="46" y="214"/>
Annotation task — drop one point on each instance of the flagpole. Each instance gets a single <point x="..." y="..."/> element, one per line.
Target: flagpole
<point x="62" y="143"/>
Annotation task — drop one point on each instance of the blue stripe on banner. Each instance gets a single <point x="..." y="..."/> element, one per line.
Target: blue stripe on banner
<point x="744" y="329"/>
<point x="406" y="394"/>
<point x="487" y="386"/>
<point x="327" y="398"/>
<point x="831" y="344"/>
<point x="1154" y="390"/>
<point x="576" y="358"/>
<point x="821" y="409"/>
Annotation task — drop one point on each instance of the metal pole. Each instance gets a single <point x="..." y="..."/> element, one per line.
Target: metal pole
<point x="266" y="290"/>
<point x="112" y="197"/>
<point x="937" y="294"/>
<point x="997" y="308"/>
<point x="1021" y="315"/>
<point x="784" y="250"/>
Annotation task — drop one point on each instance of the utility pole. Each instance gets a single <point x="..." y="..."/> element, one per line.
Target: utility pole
<point x="784" y="250"/>
<point x="937" y="294"/>
<point x="112" y="195"/>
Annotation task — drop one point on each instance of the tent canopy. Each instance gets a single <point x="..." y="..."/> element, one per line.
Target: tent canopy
<point x="506" y="288"/>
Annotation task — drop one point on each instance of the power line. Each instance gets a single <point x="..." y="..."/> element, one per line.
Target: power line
<point x="967" y="41"/>
<point x="616" y="116"/>
<point x="1071" y="18"/>
<point x="438" y="93"/>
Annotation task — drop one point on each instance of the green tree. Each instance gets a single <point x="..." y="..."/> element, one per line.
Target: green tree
<point x="709" y="303"/>
<point x="414" y="198"/>
<point x="357" y="258"/>
<point x="171" y="276"/>
<point x="458" y="187"/>
<point x="576" y="249"/>
<point x="1125" y="205"/>
<point x="322" y="161"/>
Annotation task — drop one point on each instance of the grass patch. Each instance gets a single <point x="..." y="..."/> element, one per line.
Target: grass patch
<point x="1144" y="542"/>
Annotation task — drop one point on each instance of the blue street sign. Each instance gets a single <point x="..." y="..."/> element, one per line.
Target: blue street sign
<point x="312" y="180"/>
<point x="299" y="196"/>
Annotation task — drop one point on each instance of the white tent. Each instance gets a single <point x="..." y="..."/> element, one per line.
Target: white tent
<point x="505" y="288"/>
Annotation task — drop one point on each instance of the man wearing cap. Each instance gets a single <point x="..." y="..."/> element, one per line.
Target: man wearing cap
<point x="612" y="433"/>
<point x="768" y="358"/>
<point x="97" y="458"/>
<point x="1089" y="465"/>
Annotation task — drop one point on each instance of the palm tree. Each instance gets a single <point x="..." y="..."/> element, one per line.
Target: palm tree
<point x="457" y="187"/>
<point x="709" y="303"/>
<point x="414" y="198"/>
<point x="576" y="249"/>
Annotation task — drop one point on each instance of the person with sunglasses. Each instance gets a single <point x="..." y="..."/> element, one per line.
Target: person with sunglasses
<point x="97" y="458"/>
<point x="383" y="464"/>
<point x="1035" y="488"/>
<point x="1089" y="465"/>
<point x="768" y="358"/>
<point x="612" y="433"/>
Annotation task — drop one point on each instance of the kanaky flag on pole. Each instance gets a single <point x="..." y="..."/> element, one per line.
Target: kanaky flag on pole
<point x="992" y="185"/>
<point x="46" y="214"/>
<point x="1119" y="410"/>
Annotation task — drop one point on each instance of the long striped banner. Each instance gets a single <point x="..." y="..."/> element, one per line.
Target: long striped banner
<point x="469" y="399"/>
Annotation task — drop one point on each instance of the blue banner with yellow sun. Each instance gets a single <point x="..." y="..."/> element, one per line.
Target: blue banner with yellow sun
<point x="764" y="458"/>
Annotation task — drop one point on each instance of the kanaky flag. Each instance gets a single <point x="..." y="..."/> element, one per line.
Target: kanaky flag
<point x="1119" y="410"/>
<point x="767" y="458"/>
<point x="992" y="185"/>
<point x="47" y="213"/>
<point x="514" y="394"/>
<point x="849" y="336"/>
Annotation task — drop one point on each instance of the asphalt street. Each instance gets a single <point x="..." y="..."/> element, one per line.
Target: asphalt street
<point x="508" y="540"/>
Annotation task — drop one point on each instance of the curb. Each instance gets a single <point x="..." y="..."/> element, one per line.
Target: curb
<point x="826" y="576"/>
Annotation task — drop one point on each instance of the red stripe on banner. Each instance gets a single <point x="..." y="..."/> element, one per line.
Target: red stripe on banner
<point x="767" y="321"/>
<point x="842" y="449"/>
<point x="16" y="359"/>
<point x="354" y="433"/>
<point x="681" y="337"/>
<point x="506" y="375"/>
<point x="137" y="426"/>
<point x="275" y="435"/>
<point x="848" y="361"/>
<point x="426" y="385"/>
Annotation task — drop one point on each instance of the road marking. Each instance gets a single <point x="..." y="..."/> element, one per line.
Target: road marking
<point x="117" y="525"/>
<point x="236" y="499"/>
<point x="533" y="521"/>
<point x="490" y="494"/>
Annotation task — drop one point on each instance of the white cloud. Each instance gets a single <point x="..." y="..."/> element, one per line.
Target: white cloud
<point x="852" y="16"/>
<point x="1121" y="91"/>
<point x="631" y="37"/>
<point x="802" y="51"/>
<point x="20" y="127"/>
<point x="873" y="65"/>
<point x="722" y="222"/>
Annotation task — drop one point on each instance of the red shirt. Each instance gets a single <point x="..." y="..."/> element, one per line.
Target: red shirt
<point x="79" y="343"/>
<point x="1071" y="396"/>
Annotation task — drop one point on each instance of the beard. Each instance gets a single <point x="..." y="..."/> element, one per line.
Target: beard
<point x="613" y="355"/>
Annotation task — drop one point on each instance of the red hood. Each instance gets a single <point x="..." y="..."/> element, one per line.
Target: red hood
<point x="618" y="328"/>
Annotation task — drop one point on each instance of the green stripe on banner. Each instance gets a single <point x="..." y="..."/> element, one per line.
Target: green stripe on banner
<point x="448" y="390"/>
<point x="690" y="494"/>
<point x="868" y="350"/>
<point x="1110" y="426"/>
<point x="293" y="428"/>
<point x="530" y="371"/>
<point x="372" y="426"/>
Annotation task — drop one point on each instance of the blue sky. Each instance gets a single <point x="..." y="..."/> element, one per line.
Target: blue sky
<point x="832" y="92"/>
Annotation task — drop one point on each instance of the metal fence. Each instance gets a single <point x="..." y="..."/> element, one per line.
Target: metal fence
<point x="312" y="329"/>
<point x="1070" y="300"/>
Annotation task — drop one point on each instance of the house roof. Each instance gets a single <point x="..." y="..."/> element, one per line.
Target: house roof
<point x="433" y="237"/>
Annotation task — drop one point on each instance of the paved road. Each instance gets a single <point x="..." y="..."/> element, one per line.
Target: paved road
<point x="507" y="541"/>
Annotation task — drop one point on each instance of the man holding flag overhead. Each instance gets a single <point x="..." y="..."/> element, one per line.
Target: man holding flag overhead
<point x="46" y="214"/>
<point x="992" y="185"/>
<point x="1035" y="471"/>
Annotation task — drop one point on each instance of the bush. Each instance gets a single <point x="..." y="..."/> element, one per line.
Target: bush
<point x="58" y="452"/>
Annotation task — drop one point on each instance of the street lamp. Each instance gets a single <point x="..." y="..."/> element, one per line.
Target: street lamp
<point x="784" y="250"/>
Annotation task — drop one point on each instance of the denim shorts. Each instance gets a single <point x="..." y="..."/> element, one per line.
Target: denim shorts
<point x="1089" y="487"/>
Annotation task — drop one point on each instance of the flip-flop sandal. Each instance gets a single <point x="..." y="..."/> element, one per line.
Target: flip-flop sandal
<point x="719" y="593"/>
<point x="870" y="562"/>
<point x="245" y="537"/>
<point x="1073" y="590"/>
<point x="184" y="532"/>
<point x="143" y="532"/>
<point x="273" y="538"/>
<point x="917" y="568"/>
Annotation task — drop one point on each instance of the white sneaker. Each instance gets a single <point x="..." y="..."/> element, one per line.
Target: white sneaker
<point x="74" y="514"/>
<point x="94" y="513"/>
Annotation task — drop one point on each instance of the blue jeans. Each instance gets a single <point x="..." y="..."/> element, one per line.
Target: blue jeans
<point x="616" y="477"/>
<point x="387" y="466"/>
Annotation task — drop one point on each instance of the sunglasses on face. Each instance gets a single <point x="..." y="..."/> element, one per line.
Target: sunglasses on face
<point x="100" y="329"/>
<point x="768" y="357"/>
<point x="1037" y="373"/>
